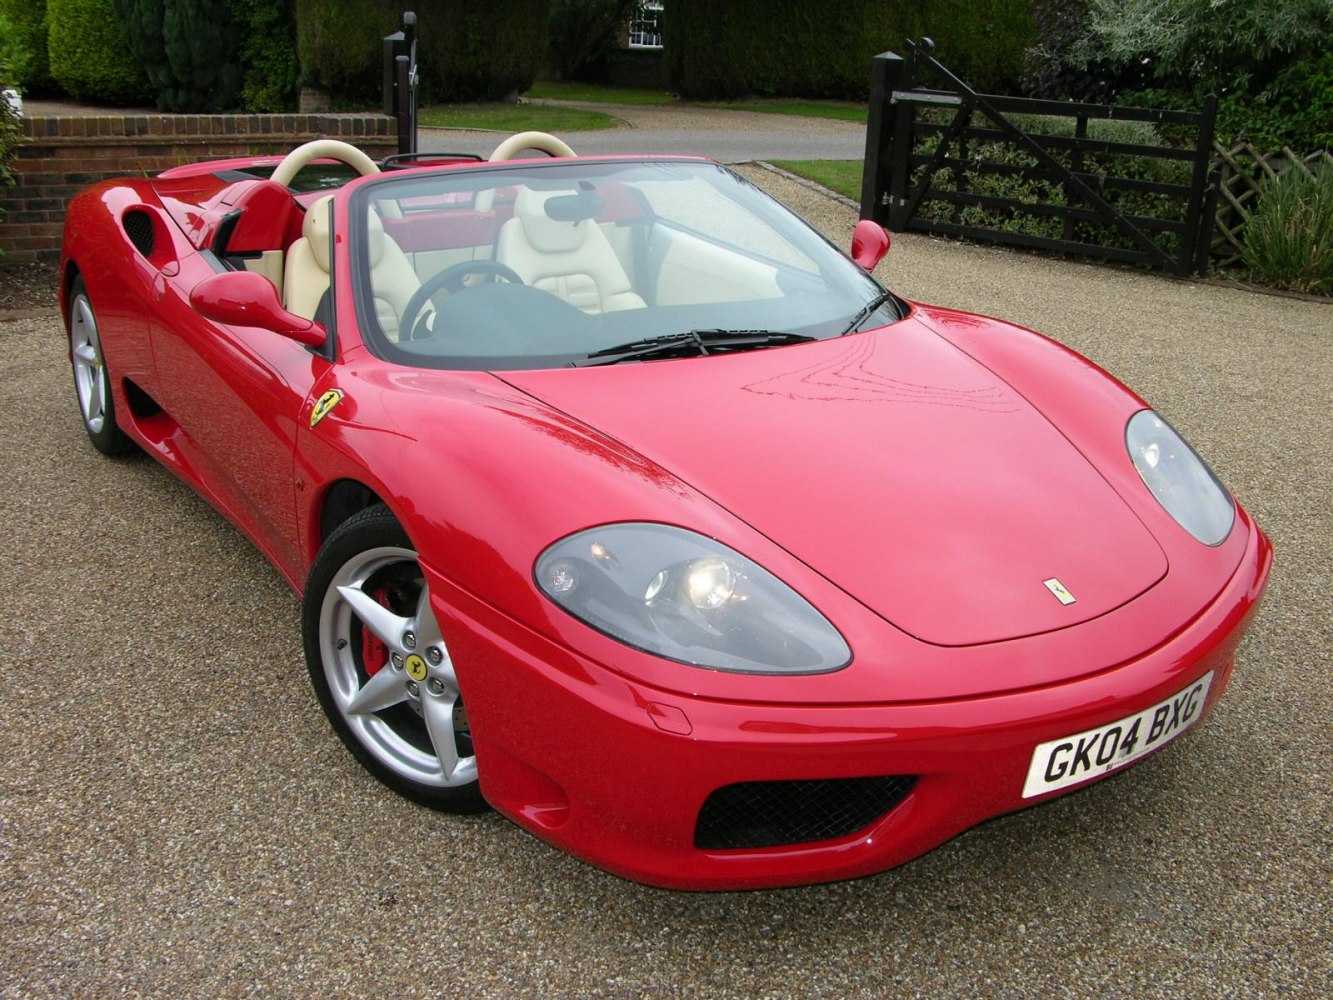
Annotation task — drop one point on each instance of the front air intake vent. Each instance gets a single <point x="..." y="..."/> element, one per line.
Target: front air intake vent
<point x="778" y="813"/>
<point x="139" y="228"/>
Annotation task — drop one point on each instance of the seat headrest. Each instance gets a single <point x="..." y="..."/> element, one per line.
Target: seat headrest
<point x="374" y="237"/>
<point x="317" y="227"/>
<point x="548" y="235"/>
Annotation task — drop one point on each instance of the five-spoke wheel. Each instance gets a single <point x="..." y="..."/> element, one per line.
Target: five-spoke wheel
<point x="92" y="383"/>
<point x="381" y="666"/>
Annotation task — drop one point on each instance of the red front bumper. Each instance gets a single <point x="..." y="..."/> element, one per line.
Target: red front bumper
<point x="616" y="772"/>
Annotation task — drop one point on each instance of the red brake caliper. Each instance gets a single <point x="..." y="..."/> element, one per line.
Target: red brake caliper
<point x="374" y="654"/>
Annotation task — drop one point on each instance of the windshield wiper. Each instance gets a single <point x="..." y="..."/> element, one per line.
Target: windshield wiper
<point x="866" y="312"/>
<point x="690" y="343"/>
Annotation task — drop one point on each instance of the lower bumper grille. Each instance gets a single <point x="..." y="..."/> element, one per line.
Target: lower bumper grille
<point x="778" y="813"/>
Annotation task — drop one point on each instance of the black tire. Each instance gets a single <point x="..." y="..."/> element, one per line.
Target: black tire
<point x="387" y="689"/>
<point x="92" y="380"/>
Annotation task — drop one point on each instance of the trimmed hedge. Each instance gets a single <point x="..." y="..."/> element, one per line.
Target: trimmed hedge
<point x="467" y="51"/>
<point x="90" y="57"/>
<point x="736" y="48"/>
<point x="25" y="44"/>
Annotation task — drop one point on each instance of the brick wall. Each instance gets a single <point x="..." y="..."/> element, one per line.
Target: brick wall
<point x="60" y="156"/>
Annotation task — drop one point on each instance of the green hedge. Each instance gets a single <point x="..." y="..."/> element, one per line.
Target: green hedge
<point x="1039" y="190"/>
<point x="25" y="44"/>
<point x="188" y="48"/>
<point x="268" y="54"/>
<point x="467" y="51"/>
<point x="90" y="57"/>
<point x="735" y="48"/>
<point x="9" y="124"/>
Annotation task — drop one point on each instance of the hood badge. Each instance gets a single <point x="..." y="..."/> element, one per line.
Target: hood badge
<point x="326" y="403"/>
<point x="1060" y="591"/>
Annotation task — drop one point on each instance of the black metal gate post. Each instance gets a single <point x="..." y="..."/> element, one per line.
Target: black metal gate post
<point x="1195" y="227"/>
<point x="886" y="76"/>
<point x="400" y="81"/>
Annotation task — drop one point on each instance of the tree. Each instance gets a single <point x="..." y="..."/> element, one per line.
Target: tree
<point x="188" y="48"/>
<point x="1212" y="44"/>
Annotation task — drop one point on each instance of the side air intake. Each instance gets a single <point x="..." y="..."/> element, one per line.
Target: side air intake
<point x="139" y="228"/>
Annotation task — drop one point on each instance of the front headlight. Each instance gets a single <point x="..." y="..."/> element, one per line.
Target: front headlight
<point x="1179" y="479"/>
<point x="685" y="597"/>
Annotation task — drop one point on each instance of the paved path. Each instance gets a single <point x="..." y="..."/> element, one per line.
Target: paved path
<point x="177" y="820"/>
<point x="728" y="136"/>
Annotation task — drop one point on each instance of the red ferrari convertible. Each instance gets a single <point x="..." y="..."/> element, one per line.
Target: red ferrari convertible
<point x="623" y="502"/>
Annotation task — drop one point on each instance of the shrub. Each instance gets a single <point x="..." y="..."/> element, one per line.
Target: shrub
<point x="90" y="57"/>
<point x="1289" y="237"/>
<point x="268" y="54"/>
<point x="1058" y="68"/>
<point x="9" y="121"/>
<point x="1036" y="190"/>
<point x="1267" y="60"/>
<point x="467" y="51"/>
<point x="24" y="43"/>
<point x="188" y="48"/>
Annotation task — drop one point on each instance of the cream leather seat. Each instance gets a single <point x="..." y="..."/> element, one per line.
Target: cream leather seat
<point x="393" y="280"/>
<point x="572" y="260"/>
<point x="305" y="274"/>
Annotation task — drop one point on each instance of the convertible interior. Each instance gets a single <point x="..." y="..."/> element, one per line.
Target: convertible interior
<point x="588" y="250"/>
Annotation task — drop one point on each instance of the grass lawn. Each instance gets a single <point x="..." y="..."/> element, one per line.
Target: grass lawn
<point x="596" y="93"/>
<point x="806" y="109"/>
<point x="843" y="176"/>
<point x="514" y="117"/>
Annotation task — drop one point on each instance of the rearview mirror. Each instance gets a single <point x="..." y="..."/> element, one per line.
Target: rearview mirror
<point x="870" y="242"/>
<point x="242" y="298"/>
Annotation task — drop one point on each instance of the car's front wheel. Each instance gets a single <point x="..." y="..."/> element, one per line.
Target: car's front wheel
<point x="381" y="667"/>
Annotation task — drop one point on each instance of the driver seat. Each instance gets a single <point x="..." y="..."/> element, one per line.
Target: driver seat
<point x="571" y="260"/>
<point x="393" y="279"/>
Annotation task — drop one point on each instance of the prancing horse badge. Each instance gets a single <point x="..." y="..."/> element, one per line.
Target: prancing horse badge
<point x="1060" y="591"/>
<point x="326" y="403"/>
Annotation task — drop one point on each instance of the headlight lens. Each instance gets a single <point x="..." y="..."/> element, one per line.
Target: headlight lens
<point x="685" y="597"/>
<point x="1179" y="479"/>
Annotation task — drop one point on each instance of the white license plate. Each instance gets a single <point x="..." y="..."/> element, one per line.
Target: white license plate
<point x="1083" y="756"/>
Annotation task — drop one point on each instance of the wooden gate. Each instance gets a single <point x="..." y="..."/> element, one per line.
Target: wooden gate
<point x="1050" y="175"/>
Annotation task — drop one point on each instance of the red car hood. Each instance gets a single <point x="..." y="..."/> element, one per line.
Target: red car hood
<point x="894" y="465"/>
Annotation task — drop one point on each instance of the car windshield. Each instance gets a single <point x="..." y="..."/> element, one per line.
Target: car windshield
<point x="592" y="262"/>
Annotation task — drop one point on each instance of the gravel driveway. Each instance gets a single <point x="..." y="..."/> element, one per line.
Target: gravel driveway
<point x="177" y="819"/>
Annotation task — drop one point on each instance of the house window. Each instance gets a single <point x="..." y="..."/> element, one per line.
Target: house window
<point x="645" y="26"/>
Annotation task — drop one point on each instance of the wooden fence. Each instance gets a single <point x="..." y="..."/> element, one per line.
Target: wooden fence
<point x="1244" y="170"/>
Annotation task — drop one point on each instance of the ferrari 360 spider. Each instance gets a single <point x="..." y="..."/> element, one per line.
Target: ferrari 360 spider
<point x="622" y="501"/>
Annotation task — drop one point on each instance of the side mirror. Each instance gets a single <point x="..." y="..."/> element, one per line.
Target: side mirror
<point x="242" y="298"/>
<point x="870" y="243"/>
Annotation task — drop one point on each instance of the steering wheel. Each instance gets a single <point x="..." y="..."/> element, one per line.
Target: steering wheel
<point x="318" y="149"/>
<point x="541" y="141"/>
<point x="450" y="279"/>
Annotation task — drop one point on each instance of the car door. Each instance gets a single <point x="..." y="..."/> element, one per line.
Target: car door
<point x="236" y="393"/>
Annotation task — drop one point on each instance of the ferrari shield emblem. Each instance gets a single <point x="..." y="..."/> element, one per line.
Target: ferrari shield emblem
<point x="416" y="667"/>
<point x="326" y="403"/>
<point x="1060" y="591"/>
